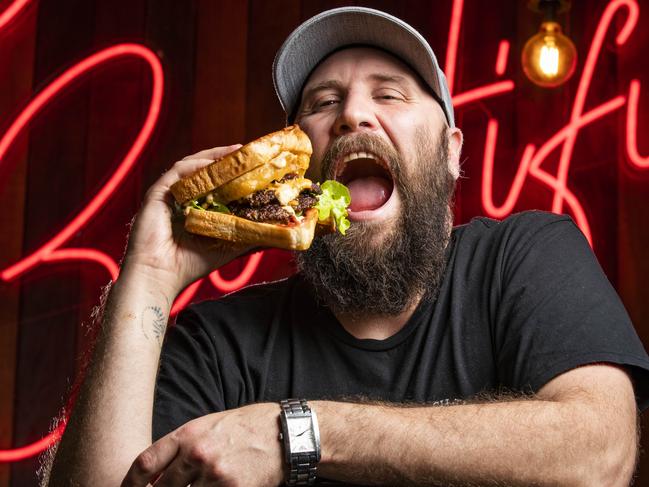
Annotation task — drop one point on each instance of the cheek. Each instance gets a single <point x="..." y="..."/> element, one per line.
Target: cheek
<point x="399" y="128"/>
<point x="404" y="127"/>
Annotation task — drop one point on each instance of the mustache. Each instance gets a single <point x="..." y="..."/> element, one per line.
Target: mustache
<point x="363" y="142"/>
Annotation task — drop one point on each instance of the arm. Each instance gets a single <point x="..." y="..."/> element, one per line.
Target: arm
<point x="111" y="421"/>
<point x="579" y="430"/>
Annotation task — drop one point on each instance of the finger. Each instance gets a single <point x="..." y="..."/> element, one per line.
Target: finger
<point x="214" y="153"/>
<point x="179" y="473"/>
<point x="151" y="462"/>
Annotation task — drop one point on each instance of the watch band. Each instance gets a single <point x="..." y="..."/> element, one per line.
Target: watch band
<point x="302" y="466"/>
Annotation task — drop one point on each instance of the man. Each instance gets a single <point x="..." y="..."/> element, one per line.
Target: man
<point x="495" y="353"/>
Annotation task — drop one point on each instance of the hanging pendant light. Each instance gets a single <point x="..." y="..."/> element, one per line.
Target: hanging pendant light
<point x="549" y="57"/>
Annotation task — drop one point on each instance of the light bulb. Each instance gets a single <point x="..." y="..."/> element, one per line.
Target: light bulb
<point x="549" y="57"/>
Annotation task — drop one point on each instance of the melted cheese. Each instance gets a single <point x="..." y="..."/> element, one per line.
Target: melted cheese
<point x="279" y="161"/>
<point x="289" y="190"/>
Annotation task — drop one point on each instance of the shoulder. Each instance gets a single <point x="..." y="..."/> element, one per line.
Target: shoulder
<point x="523" y="221"/>
<point x="521" y="228"/>
<point x="492" y="248"/>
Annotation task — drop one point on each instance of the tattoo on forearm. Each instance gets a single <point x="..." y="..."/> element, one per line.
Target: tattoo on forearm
<point x="154" y="323"/>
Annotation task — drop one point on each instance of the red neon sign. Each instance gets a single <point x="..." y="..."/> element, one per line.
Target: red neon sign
<point x="33" y="449"/>
<point x="34" y="107"/>
<point x="50" y="251"/>
<point x="532" y="159"/>
<point x="11" y="12"/>
<point x="632" y="127"/>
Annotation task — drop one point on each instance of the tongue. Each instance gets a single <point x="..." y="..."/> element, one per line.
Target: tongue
<point x="369" y="193"/>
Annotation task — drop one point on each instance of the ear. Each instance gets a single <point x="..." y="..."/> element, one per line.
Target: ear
<point x="455" y="140"/>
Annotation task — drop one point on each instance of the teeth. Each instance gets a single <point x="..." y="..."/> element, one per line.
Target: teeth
<point x="359" y="155"/>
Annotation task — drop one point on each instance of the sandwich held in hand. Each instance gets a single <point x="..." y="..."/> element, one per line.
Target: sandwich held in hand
<point x="258" y="195"/>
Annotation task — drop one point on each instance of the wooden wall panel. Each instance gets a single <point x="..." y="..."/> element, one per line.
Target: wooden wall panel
<point x="119" y="97"/>
<point x="266" y="32"/>
<point x="16" y="64"/>
<point x="170" y="32"/>
<point x="219" y="95"/>
<point x="50" y="294"/>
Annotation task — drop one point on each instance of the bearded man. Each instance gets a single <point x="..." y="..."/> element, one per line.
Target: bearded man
<point x="408" y="352"/>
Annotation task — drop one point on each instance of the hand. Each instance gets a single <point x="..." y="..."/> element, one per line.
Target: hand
<point x="159" y="244"/>
<point x="240" y="447"/>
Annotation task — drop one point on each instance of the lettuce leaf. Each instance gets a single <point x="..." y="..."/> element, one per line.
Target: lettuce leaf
<point x="218" y="207"/>
<point x="333" y="201"/>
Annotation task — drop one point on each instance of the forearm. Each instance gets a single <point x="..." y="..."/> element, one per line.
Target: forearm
<point x="111" y="421"/>
<point x="526" y="442"/>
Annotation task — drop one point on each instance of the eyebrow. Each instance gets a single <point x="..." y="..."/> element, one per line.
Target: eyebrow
<point x="333" y="84"/>
<point x="391" y="78"/>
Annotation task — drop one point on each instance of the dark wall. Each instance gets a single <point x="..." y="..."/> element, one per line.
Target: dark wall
<point x="217" y="57"/>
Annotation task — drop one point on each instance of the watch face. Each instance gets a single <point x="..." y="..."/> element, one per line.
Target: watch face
<point x="301" y="435"/>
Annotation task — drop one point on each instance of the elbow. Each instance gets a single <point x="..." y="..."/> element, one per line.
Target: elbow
<point x="618" y="464"/>
<point x="612" y="465"/>
<point x="620" y="455"/>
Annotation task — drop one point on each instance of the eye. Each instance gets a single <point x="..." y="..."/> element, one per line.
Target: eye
<point x="325" y="102"/>
<point x="389" y="94"/>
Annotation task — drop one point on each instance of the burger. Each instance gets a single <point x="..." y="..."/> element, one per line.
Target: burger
<point x="258" y="195"/>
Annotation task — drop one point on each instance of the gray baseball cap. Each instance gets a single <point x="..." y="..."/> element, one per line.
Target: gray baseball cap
<point x="333" y="29"/>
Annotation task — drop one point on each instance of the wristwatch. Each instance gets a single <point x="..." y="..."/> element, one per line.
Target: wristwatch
<point x="301" y="438"/>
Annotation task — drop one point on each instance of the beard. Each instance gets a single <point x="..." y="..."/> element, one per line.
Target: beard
<point x="381" y="269"/>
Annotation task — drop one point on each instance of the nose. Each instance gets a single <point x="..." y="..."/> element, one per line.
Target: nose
<point x="356" y="114"/>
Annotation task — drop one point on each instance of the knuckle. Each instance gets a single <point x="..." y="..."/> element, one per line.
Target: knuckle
<point x="198" y="454"/>
<point x="145" y="462"/>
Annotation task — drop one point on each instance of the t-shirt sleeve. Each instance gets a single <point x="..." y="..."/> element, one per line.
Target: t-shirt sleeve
<point x="189" y="381"/>
<point x="558" y="310"/>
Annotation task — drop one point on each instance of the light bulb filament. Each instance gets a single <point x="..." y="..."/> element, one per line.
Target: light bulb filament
<point x="549" y="60"/>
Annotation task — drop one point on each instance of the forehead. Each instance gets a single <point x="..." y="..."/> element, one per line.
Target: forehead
<point x="362" y="63"/>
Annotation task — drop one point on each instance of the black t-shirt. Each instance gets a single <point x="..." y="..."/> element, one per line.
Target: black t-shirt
<point x="522" y="301"/>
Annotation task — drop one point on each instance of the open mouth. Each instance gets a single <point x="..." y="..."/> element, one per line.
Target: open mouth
<point x="368" y="178"/>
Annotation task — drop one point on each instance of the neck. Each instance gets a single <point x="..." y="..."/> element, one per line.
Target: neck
<point x="376" y="327"/>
